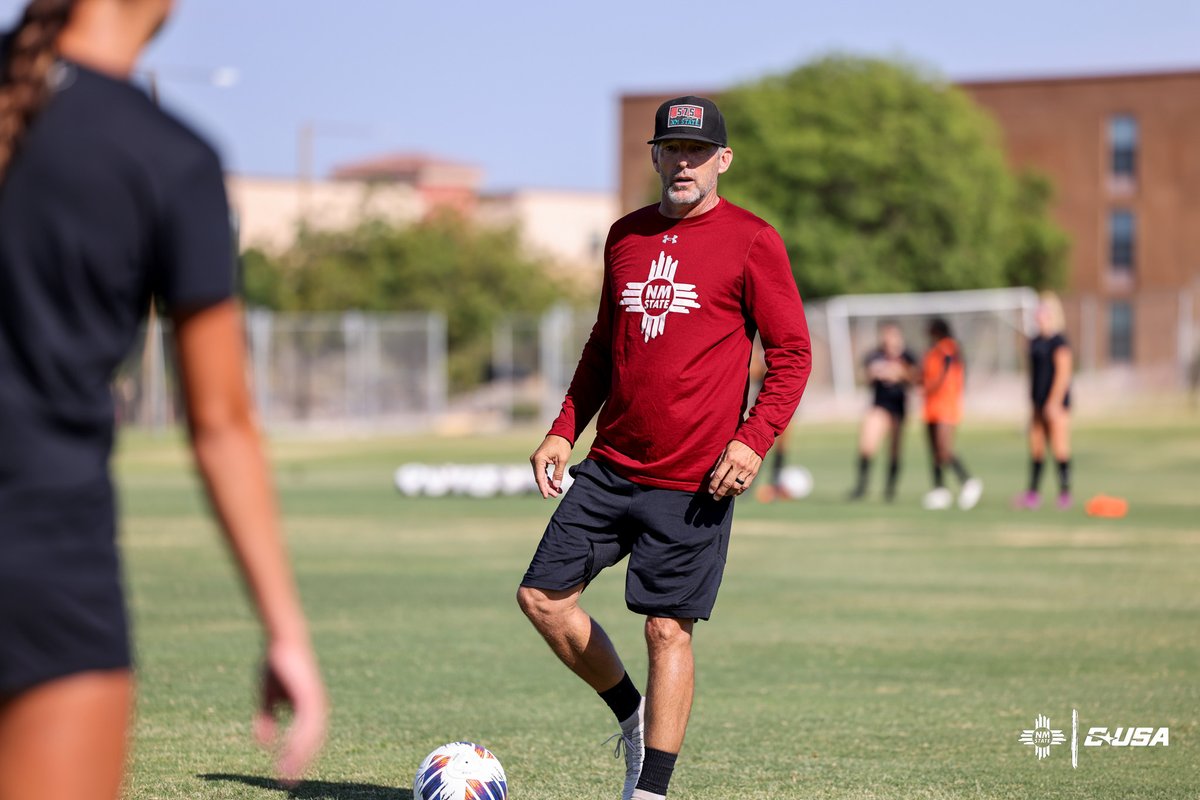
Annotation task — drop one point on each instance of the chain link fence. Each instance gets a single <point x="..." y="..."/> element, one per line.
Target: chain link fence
<point x="338" y="371"/>
<point x="358" y="371"/>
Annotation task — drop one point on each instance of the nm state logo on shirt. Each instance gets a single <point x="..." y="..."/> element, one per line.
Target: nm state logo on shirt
<point x="658" y="296"/>
<point x="685" y="117"/>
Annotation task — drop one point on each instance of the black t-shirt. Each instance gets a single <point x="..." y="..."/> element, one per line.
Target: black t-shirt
<point x="890" y="394"/>
<point x="1041" y="367"/>
<point x="109" y="201"/>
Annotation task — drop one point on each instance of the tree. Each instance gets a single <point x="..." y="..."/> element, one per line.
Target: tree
<point x="472" y="275"/>
<point x="1038" y="253"/>
<point x="881" y="178"/>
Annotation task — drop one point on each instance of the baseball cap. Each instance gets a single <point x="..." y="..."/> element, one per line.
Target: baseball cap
<point x="690" y="117"/>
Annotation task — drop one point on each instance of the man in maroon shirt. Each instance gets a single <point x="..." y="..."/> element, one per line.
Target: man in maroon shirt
<point x="687" y="284"/>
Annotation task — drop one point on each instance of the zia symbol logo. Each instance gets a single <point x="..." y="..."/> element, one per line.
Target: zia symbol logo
<point x="1041" y="736"/>
<point x="659" y="295"/>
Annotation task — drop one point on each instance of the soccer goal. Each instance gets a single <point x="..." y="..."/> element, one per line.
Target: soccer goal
<point x="991" y="325"/>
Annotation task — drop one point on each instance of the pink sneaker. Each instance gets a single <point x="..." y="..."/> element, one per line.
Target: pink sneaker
<point x="1028" y="501"/>
<point x="1064" y="501"/>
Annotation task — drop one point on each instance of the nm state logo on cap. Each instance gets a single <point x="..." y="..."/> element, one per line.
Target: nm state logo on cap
<point x="685" y="117"/>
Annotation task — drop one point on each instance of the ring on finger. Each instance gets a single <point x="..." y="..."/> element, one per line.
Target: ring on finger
<point x="740" y="481"/>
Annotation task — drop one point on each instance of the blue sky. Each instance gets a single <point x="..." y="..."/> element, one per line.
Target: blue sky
<point x="529" y="90"/>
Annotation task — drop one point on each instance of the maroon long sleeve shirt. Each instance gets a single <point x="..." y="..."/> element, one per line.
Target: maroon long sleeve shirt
<point x="668" y="358"/>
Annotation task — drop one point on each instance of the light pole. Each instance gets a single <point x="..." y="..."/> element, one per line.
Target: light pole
<point x="216" y="77"/>
<point x="306" y="134"/>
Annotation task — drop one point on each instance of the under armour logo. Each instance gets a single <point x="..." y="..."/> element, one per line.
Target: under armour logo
<point x="667" y="239"/>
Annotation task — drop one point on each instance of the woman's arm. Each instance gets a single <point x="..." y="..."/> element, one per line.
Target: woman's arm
<point x="1063" y="365"/>
<point x="230" y="457"/>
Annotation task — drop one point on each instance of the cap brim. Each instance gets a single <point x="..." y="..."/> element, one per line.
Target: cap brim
<point x="694" y="137"/>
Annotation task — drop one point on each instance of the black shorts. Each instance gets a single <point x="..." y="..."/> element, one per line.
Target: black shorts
<point x="676" y="541"/>
<point x="894" y="407"/>
<point x="61" y="606"/>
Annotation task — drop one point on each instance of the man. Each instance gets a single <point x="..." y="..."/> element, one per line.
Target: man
<point x="687" y="283"/>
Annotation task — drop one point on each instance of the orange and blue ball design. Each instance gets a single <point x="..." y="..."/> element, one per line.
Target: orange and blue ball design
<point x="460" y="771"/>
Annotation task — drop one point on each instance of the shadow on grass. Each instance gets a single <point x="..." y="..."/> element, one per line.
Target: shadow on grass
<point x="316" y="790"/>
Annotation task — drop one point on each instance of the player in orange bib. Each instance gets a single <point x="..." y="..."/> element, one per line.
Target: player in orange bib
<point x="943" y="375"/>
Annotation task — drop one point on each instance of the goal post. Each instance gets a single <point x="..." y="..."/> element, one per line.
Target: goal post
<point x="984" y="315"/>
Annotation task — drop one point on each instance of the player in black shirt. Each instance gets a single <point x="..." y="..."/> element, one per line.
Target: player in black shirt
<point x="105" y="202"/>
<point x="891" y="370"/>
<point x="1050" y="366"/>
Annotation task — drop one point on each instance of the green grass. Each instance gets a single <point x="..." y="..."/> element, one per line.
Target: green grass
<point x="866" y="651"/>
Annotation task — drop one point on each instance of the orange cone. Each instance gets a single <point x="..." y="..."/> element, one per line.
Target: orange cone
<point x="1103" y="505"/>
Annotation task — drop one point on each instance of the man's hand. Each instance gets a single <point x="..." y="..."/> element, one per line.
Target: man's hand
<point x="735" y="470"/>
<point x="554" y="450"/>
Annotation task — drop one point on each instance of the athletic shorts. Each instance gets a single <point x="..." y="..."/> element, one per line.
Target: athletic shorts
<point x="894" y="406"/>
<point x="61" y="606"/>
<point x="676" y="541"/>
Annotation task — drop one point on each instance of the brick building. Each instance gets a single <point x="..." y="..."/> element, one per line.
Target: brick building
<point x="1123" y="152"/>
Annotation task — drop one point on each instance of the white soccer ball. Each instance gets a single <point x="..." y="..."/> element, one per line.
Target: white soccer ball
<point x="796" y="481"/>
<point x="460" y="771"/>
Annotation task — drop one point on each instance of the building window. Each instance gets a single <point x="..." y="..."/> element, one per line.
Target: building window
<point x="1121" y="240"/>
<point x="1123" y="140"/>
<point x="1120" y="331"/>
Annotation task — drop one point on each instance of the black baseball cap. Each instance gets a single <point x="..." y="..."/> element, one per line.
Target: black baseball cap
<point x="690" y="117"/>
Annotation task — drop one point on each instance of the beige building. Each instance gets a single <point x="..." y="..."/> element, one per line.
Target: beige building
<point x="271" y="210"/>
<point x="564" y="227"/>
<point x="567" y="227"/>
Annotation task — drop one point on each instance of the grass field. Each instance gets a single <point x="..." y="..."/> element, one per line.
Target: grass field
<point x="865" y="651"/>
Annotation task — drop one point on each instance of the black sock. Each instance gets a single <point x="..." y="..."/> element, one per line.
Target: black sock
<point x="938" y="480"/>
<point x="959" y="470"/>
<point x="1064" y="476"/>
<point x="656" y="771"/>
<point x="776" y="466"/>
<point x="893" y="474"/>
<point x="623" y="698"/>
<point x="864" y="470"/>
<point x="1035" y="474"/>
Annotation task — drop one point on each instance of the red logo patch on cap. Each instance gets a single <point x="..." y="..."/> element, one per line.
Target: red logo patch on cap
<point x="685" y="117"/>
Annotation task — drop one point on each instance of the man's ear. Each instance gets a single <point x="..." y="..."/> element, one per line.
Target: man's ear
<point x="726" y="158"/>
<point x="654" y="157"/>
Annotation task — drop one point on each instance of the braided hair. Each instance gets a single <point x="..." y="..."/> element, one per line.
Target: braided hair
<point x="25" y="73"/>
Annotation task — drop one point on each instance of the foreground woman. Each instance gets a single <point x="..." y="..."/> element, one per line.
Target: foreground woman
<point x="104" y="202"/>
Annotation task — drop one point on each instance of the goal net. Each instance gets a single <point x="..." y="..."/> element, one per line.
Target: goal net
<point x="991" y="326"/>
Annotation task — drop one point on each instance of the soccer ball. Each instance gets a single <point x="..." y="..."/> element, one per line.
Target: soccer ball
<point x="460" y="771"/>
<point x="796" y="481"/>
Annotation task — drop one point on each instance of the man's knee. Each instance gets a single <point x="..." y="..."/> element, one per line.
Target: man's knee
<point x="663" y="633"/>
<point x="542" y="606"/>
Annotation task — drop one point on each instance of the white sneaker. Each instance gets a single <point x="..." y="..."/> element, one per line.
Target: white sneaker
<point x="938" y="499"/>
<point x="968" y="496"/>
<point x="631" y="739"/>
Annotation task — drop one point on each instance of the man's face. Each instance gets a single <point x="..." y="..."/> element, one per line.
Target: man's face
<point x="689" y="169"/>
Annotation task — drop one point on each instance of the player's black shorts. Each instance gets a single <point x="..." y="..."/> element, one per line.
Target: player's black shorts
<point x="1039" y="401"/>
<point x="897" y="407"/>
<point x="891" y="397"/>
<point x="676" y="541"/>
<point x="61" y="607"/>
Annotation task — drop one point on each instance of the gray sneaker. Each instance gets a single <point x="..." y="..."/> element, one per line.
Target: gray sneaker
<point x="631" y="739"/>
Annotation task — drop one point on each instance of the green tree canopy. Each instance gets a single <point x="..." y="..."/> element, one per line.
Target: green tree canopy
<point x="473" y="275"/>
<point x="881" y="178"/>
